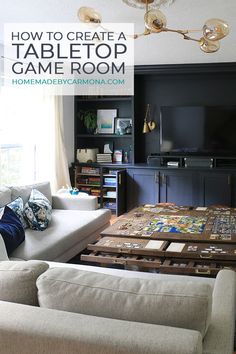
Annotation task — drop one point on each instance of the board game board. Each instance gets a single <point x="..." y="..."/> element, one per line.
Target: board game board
<point x="177" y="224"/>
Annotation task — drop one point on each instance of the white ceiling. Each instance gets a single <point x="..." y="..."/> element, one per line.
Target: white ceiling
<point x="164" y="48"/>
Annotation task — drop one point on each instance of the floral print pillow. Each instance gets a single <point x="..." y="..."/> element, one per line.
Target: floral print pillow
<point x="38" y="211"/>
<point x="17" y="206"/>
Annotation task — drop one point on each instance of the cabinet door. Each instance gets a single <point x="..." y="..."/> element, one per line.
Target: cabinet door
<point x="177" y="187"/>
<point x="215" y="189"/>
<point x="142" y="187"/>
<point x="120" y="193"/>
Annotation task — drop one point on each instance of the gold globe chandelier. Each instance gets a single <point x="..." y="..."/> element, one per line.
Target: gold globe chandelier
<point x="155" y="22"/>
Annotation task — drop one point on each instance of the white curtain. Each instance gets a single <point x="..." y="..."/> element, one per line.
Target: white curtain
<point x="62" y="177"/>
<point x="32" y="138"/>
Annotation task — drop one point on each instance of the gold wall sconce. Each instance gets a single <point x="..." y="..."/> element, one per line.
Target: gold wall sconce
<point x="148" y="124"/>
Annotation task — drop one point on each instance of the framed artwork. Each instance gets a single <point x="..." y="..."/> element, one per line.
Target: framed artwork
<point x="105" y="120"/>
<point x="108" y="147"/>
<point x="123" y="126"/>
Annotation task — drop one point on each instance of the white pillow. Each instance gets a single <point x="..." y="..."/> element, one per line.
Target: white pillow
<point x="3" y="251"/>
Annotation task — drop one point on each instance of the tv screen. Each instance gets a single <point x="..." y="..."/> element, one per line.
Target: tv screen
<point x="199" y="130"/>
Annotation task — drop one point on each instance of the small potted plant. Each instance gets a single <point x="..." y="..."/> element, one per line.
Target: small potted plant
<point x="89" y="119"/>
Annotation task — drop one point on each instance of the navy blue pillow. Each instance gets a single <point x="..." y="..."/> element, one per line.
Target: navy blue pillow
<point x="11" y="230"/>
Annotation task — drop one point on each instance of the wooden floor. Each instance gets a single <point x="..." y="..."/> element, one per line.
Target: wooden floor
<point x="113" y="218"/>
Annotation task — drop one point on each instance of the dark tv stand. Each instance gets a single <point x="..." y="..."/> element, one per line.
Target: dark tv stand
<point x="191" y="161"/>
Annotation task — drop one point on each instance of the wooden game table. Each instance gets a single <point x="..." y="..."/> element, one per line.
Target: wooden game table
<point x="169" y="239"/>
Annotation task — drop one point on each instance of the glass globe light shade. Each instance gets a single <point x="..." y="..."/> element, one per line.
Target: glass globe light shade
<point x="155" y="20"/>
<point x="89" y="15"/>
<point x="209" y="46"/>
<point x="152" y="4"/>
<point x="215" y="29"/>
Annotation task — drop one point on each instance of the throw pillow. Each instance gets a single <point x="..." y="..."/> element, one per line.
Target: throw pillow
<point x="17" y="206"/>
<point x="18" y="281"/>
<point x="25" y="191"/>
<point x="168" y="303"/>
<point x="11" y="230"/>
<point x="38" y="211"/>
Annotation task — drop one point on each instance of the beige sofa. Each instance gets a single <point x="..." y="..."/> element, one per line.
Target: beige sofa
<point x="145" y="314"/>
<point x="76" y="221"/>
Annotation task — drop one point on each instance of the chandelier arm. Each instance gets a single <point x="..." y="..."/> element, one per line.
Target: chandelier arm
<point x="134" y="36"/>
<point x="183" y="33"/>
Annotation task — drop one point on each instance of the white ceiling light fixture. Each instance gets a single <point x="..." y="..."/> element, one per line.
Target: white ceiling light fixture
<point x="153" y="4"/>
<point x="155" y="22"/>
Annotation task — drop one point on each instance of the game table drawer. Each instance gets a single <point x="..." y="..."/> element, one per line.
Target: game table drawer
<point x="193" y="267"/>
<point x="122" y="259"/>
<point x="129" y="246"/>
<point x="204" y="251"/>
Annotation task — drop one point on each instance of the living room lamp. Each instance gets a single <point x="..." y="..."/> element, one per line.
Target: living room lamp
<point x="155" y="22"/>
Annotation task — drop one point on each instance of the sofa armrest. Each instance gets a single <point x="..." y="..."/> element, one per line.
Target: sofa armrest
<point x="74" y="202"/>
<point x="3" y="250"/>
<point x="34" y="330"/>
<point x="220" y="335"/>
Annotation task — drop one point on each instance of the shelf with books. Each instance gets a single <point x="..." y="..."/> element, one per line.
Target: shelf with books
<point x="109" y="186"/>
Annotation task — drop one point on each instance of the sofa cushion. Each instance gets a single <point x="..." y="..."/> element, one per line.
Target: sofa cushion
<point x="11" y="230"/>
<point x="25" y="191"/>
<point x="17" y="206"/>
<point x="150" y="301"/>
<point x="5" y="196"/>
<point x="3" y="250"/>
<point x="38" y="211"/>
<point x="66" y="229"/>
<point x="18" y="281"/>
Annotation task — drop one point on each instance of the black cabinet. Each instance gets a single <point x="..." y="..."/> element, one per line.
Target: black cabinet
<point x="142" y="187"/>
<point x="182" y="187"/>
<point x="153" y="186"/>
<point x="177" y="187"/>
<point x="215" y="188"/>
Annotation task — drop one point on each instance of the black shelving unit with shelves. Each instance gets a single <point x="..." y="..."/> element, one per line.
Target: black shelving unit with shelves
<point x="125" y="109"/>
<point x="86" y="174"/>
<point x="166" y="85"/>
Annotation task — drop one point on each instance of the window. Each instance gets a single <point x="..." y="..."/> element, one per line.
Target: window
<point x="27" y="139"/>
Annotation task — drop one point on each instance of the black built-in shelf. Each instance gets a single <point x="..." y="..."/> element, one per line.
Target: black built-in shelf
<point x="212" y="84"/>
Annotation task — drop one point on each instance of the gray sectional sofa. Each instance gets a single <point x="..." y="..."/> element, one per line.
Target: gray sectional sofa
<point x="76" y="221"/>
<point x="77" y="309"/>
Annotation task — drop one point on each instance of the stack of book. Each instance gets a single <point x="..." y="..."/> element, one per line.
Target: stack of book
<point x="95" y="192"/>
<point x="85" y="190"/>
<point x="94" y="181"/>
<point x="110" y="181"/>
<point x="90" y="170"/>
<point x="110" y="205"/>
<point x="104" y="158"/>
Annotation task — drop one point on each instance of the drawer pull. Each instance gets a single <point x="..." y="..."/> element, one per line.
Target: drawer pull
<point x="117" y="261"/>
<point x="199" y="271"/>
<point x="206" y="257"/>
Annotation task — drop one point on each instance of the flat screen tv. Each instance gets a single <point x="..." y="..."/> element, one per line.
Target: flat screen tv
<point x="198" y="130"/>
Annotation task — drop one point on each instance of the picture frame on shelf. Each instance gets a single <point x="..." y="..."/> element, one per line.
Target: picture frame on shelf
<point x="105" y="121"/>
<point x="123" y="126"/>
<point x="108" y="147"/>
